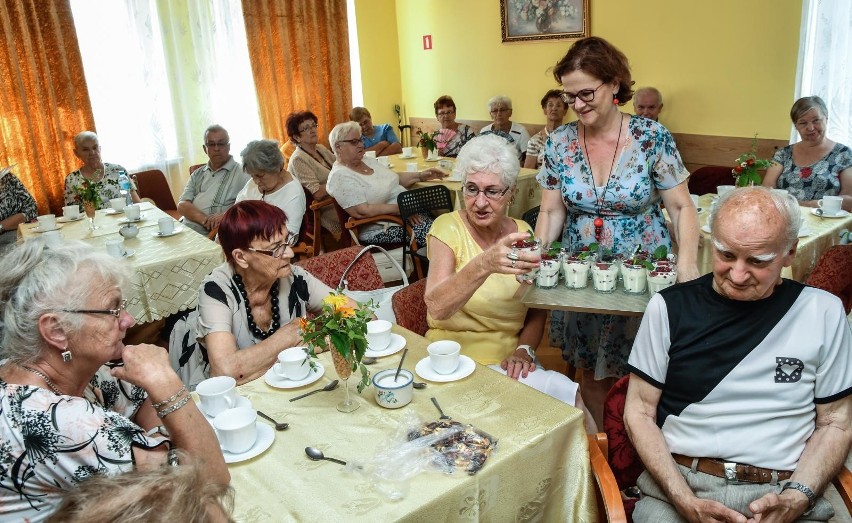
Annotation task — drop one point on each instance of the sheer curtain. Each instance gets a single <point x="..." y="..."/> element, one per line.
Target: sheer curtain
<point x="159" y="73"/>
<point x="825" y="63"/>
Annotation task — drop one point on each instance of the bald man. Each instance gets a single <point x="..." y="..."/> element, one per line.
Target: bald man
<point x="648" y="102"/>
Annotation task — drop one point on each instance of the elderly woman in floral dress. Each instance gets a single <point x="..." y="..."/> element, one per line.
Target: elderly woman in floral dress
<point x="452" y="135"/>
<point x="88" y="150"/>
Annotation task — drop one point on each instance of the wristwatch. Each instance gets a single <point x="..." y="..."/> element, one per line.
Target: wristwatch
<point x="804" y="489"/>
<point x="2" y="229"/>
<point x="529" y="350"/>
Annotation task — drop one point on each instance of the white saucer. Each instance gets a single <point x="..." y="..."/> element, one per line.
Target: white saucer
<point x="129" y="252"/>
<point x="432" y="161"/>
<point x="805" y="231"/>
<point x="242" y="401"/>
<point x="158" y="234"/>
<point x="113" y="211"/>
<point x="63" y="219"/>
<point x="841" y="214"/>
<point x="396" y="344"/>
<point x="273" y="380"/>
<point x="705" y="228"/>
<point x="37" y="228"/>
<point x="128" y="220"/>
<point x="465" y="369"/>
<point x="401" y="157"/>
<point x="265" y="438"/>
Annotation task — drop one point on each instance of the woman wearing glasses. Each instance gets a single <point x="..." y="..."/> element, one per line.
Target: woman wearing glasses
<point x="816" y="166"/>
<point x="453" y="135"/>
<point x="247" y="306"/>
<point x="64" y="415"/>
<point x="604" y="177"/>
<point x="500" y="109"/>
<point x="471" y="286"/>
<point x="270" y="182"/>
<point x="365" y="188"/>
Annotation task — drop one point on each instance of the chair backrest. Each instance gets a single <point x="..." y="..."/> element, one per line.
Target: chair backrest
<point x="833" y="273"/>
<point x="193" y="168"/>
<point x="531" y="216"/>
<point x="706" y="179"/>
<point x="623" y="458"/>
<point x="328" y="268"/>
<point x="423" y="201"/>
<point x="153" y="184"/>
<point x="410" y="308"/>
<point x="607" y="495"/>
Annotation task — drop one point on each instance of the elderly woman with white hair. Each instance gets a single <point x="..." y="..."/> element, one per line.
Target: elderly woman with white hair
<point x="500" y="109"/>
<point x="64" y="415"/>
<point x="272" y="183"/>
<point x="365" y="188"/>
<point x="88" y="150"/>
<point x="471" y="286"/>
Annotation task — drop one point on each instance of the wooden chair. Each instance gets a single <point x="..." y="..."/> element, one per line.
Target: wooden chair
<point x="312" y="230"/>
<point x="193" y="168"/>
<point x="606" y="493"/>
<point x="410" y="308"/>
<point x="329" y="267"/>
<point x="706" y="179"/>
<point x="152" y="184"/>
<point x="353" y="224"/>
<point x="833" y="273"/>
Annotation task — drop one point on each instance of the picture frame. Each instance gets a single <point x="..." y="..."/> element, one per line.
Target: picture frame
<point x="527" y="20"/>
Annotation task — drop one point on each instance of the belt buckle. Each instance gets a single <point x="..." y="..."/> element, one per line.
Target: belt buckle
<point x="731" y="474"/>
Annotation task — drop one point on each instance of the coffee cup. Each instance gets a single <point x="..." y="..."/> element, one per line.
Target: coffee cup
<point x="378" y="334"/>
<point x="722" y="190"/>
<point x="408" y="152"/>
<point x="71" y="212"/>
<point x="115" y="248"/>
<point x="166" y="225"/>
<point x="384" y="161"/>
<point x="236" y="429"/>
<point x="830" y="205"/>
<point x="53" y="238"/>
<point x="133" y="212"/>
<point x="370" y="154"/>
<point x="292" y="364"/>
<point x="217" y="394"/>
<point x="411" y="167"/>
<point x="117" y="204"/>
<point x="46" y="222"/>
<point x="444" y="356"/>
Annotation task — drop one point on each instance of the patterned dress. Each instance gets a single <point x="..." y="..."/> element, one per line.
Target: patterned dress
<point x="462" y="135"/>
<point x="630" y="208"/>
<point x="812" y="182"/>
<point x="110" y="185"/>
<point x="49" y="443"/>
<point x="14" y="199"/>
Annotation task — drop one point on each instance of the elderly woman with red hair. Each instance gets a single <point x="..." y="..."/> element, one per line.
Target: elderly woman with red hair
<point x="247" y="306"/>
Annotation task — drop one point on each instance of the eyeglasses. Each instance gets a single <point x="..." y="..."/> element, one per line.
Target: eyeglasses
<point x="472" y="191"/>
<point x="586" y="95"/>
<point x="445" y="113"/>
<point x="278" y="251"/>
<point x="217" y="145"/>
<point x="500" y="110"/>
<point x="308" y="127"/>
<point x="803" y="124"/>
<point x="114" y="312"/>
<point x="353" y="141"/>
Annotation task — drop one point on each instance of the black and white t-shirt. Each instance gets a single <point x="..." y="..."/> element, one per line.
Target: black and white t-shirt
<point x="740" y="379"/>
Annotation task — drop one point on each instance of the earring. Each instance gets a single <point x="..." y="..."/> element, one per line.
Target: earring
<point x="614" y="100"/>
<point x="66" y="355"/>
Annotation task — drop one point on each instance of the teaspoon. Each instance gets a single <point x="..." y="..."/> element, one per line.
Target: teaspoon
<point x="278" y="426"/>
<point x="330" y="386"/>
<point x="317" y="455"/>
<point x="418" y="385"/>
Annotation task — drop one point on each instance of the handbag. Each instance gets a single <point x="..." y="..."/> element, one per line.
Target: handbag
<point x="382" y="298"/>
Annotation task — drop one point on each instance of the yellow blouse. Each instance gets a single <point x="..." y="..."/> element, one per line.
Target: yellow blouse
<point x="487" y="326"/>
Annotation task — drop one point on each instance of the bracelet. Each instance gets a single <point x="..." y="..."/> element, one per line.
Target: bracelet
<point x="165" y="412"/>
<point x="529" y="350"/>
<point x="170" y="398"/>
<point x="172" y="457"/>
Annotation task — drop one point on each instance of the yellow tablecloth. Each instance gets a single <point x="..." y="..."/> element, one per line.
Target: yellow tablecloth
<point x="824" y="233"/>
<point x="166" y="271"/>
<point x="527" y="196"/>
<point x="540" y="470"/>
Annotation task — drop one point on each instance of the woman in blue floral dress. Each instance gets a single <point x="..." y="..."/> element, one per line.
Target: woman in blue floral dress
<point x="613" y="169"/>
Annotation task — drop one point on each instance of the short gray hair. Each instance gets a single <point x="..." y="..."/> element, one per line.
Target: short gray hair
<point x="340" y="130"/>
<point x="216" y="128"/>
<point x="85" y="136"/>
<point x="648" y="89"/>
<point x="489" y="154"/>
<point x="36" y="279"/>
<point x="786" y="205"/>
<point x="262" y="156"/>
<point x="499" y="99"/>
<point x="805" y="104"/>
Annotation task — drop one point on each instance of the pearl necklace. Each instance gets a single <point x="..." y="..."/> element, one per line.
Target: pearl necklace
<point x="276" y="314"/>
<point x="598" y="223"/>
<point x="44" y="377"/>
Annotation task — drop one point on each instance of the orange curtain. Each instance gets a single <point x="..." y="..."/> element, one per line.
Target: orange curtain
<point x="299" y="52"/>
<point x="44" y="101"/>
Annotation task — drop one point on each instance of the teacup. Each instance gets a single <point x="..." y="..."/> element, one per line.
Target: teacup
<point x="217" y="394"/>
<point x="129" y="230"/>
<point x="444" y="356"/>
<point x="117" y="204"/>
<point x="384" y="161"/>
<point x="370" y="154"/>
<point x="411" y="167"/>
<point x="408" y="152"/>
<point x="447" y="165"/>
<point x="46" y="222"/>
<point x="52" y="238"/>
<point x="133" y="212"/>
<point x="166" y="225"/>
<point x="292" y="364"/>
<point x="115" y="248"/>
<point x="236" y="429"/>
<point x="432" y="155"/>
<point x="393" y="393"/>
<point x="71" y="212"/>
<point x="830" y="205"/>
<point x="378" y="334"/>
<point x="722" y="190"/>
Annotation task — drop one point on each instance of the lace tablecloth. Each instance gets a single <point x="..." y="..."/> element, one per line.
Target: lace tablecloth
<point x="166" y="272"/>
<point x="539" y="472"/>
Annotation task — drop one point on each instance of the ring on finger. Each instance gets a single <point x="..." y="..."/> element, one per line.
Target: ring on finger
<point x="512" y="255"/>
<point x="513" y="263"/>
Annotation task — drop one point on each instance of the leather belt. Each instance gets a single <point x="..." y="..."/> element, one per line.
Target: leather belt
<point x="734" y="472"/>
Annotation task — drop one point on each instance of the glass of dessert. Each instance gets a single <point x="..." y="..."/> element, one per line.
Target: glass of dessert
<point x="575" y="268"/>
<point x="533" y="245"/>
<point x="664" y="274"/>
<point x="548" y="270"/>
<point x="605" y="273"/>
<point x="634" y="272"/>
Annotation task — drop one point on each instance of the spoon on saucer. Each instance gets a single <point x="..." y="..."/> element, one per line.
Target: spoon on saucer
<point x="317" y="455"/>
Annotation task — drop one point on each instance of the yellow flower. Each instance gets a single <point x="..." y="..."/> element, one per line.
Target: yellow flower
<point x="347" y="312"/>
<point x="336" y="301"/>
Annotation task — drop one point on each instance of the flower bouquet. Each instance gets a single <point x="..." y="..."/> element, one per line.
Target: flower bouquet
<point x="89" y="193"/>
<point x="427" y="143"/>
<point x="746" y="169"/>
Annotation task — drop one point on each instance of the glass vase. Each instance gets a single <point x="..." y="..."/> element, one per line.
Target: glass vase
<point x="89" y="209"/>
<point x="343" y="366"/>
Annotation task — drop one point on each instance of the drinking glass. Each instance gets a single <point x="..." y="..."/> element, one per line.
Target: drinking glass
<point x="343" y="366"/>
<point x="89" y="208"/>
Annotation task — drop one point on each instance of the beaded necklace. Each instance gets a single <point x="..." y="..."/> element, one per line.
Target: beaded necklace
<point x="599" y="197"/>
<point x="276" y="314"/>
